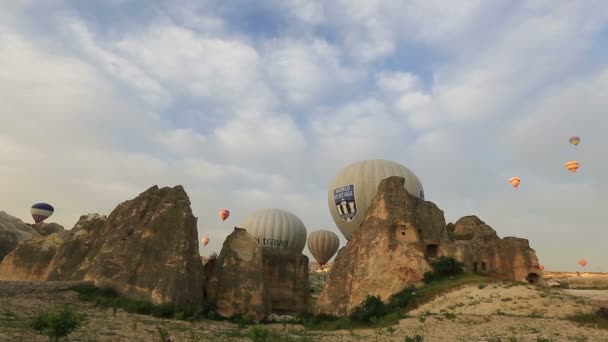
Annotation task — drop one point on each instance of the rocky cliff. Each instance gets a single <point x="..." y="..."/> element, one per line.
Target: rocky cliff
<point x="401" y="235"/>
<point x="13" y="231"/>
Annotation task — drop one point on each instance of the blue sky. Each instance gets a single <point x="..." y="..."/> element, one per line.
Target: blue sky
<point x="253" y="106"/>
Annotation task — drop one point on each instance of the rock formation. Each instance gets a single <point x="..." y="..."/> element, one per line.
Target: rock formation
<point x="145" y="249"/>
<point x="286" y="280"/>
<point x="237" y="284"/>
<point x="31" y="259"/>
<point x="398" y="238"/>
<point x="382" y="257"/>
<point x="12" y="231"/>
<point x="45" y="229"/>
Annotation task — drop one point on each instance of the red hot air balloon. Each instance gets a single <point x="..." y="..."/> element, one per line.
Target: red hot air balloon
<point x="582" y="262"/>
<point x="205" y="240"/>
<point x="542" y="268"/>
<point x="224" y="213"/>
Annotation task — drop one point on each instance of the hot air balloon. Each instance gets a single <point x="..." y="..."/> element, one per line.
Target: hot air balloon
<point x="514" y="181"/>
<point x="572" y="166"/>
<point x="41" y="211"/>
<point x="212" y="256"/>
<point x="542" y="268"/>
<point x="575" y="140"/>
<point x="205" y="240"/>
<point x="224" y="213"/>
<point x="277" y="230"/>
<point x="323" y="244"/>
<point x="582" y="262"/>
<point x="352" y="190"/>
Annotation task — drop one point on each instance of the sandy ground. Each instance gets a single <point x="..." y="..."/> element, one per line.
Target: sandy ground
<point x="496" y="312"/>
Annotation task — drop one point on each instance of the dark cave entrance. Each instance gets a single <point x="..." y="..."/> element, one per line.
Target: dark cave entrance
<point x="474" y="267"/>
<point x="533" y="278"/>
<point x="432" y="250"/>
<point x="484" y="266"/>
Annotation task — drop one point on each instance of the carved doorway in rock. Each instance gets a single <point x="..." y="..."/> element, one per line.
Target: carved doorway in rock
<point x="532" y="278"/>
<point x="432" y="250"/>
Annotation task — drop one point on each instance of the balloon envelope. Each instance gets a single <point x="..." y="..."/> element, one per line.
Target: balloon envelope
<point x="323" y="244"/>
<point x="514" y="181"/>
<point x="205" y="241"/>
<point x="212" y="256"/>
<point x="224" y="213"/>
<point x="41" y="211"/>
<point x="572" y="166"/>
<point x="582" y="262"/>
<point x="542" y="268"/>
<point x="575" y="140"/>
<point x="277" y="230"/>
<point x="351" y="192"/>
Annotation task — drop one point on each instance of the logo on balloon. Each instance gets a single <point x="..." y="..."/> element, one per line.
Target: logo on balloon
<point x="344" y="198"/>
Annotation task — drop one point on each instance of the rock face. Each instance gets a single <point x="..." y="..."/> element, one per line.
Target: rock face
<point x="31" y="259"/>
<point x="146" y="249"/>
<point x="236" y="286"/>
<point x="383" y="256"/>
<point x="69" y="262"/>
<point x="286" y="280"/>
<point x="481" y="250"/>
<point x="45" y="229"/>
<point x="401" y="235"/>
<point x="12" y="231"/>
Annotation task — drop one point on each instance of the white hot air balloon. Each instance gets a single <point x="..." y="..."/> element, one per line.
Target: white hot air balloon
<point x="277" y="230"/>
<point x="323" y="245"/>
<point x="353" y="189"/>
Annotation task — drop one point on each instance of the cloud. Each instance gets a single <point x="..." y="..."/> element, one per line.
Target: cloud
<point x="249" y="115"/>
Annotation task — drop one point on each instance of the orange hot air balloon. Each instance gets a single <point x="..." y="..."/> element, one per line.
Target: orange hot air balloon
<point x="572" y="166"/>
<point x="575" y="140"/>
<point x="582" y="262"/>
<point x="542" y="267"/>
<point x="515" y="181"/>
<point x="205" y="240"/>
<point x="224" y="213"/>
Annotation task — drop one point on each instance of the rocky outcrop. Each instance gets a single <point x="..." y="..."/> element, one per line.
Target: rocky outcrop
<point x="146" y="249"/>
<point x="383" y="256"/>
<point x="69" y="262"/>
<point x="286" y="280"/>
<point x="13" y="231"/>
<point x="236" y="286"/>
<point x="401" y="235"/>
<point x="31" y="259"/>
<point x="46" y="229"/>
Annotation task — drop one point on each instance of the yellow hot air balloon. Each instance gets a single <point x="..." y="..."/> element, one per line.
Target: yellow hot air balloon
<point x="572" y="166"/>
<point x="515" y="181"/>
<point x="575" y="140"/>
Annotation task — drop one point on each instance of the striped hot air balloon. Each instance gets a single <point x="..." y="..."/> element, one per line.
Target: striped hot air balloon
<point x="572" y="166"/>
<point x="41" y="211"/>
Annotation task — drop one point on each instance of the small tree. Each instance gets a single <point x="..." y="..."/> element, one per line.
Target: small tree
<point x="448" y="266"/>
<point x="371" y="308"/>
<point x="57" y="323"/>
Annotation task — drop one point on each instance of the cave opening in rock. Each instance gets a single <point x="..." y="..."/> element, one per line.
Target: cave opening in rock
<point x="475" y="267"/>
<point x="532" y="278"/>
<point x="483" y="266"/>
<point x="431" y="251"/>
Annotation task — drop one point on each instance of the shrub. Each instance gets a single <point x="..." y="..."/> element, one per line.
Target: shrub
<point x="57" y="323"/>
<point x="259" y="333"/>
<point x="416" y="338"/>
<point x="371" y="308"/>
<point x="404" y="297"/>
<point x="448" y="266"/>
<point x="429" y="277"/>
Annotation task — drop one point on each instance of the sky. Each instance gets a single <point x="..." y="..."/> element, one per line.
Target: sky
<point x="254" y="105"/>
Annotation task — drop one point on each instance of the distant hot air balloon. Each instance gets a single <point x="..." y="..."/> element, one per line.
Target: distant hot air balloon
<point x="205" y="240"/>
<point x="572" y="166"/>
<point x="582" y="262"/>
<point x="514" y="181"/>
<point x="575" y="140"/>
<point x="542" y="268"/>
<point x="224" y="213"/>
<point x="323" y="244"/>
<point x="41" y="211"/>
<point x="212" y="256"/>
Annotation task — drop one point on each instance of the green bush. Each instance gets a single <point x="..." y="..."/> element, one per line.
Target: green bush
<point x="259" y="333"/>
<point x="57" y="323"/>
<point x="429" y="277"/>
<point x="416" y="338"/>
<point x="404" y="297"/>
<point x="448" y="266"/>
<point x="371" y="308"/>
